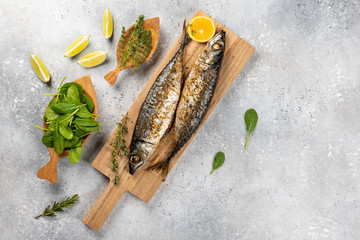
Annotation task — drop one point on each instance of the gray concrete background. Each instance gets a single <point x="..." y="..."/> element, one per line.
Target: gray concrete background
<point x="299" y="177"/>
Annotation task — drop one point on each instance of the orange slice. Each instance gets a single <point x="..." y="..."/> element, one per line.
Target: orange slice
<point x="201" y="28"/>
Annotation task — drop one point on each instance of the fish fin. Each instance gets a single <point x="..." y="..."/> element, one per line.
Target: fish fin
<point x="163" y="166"/>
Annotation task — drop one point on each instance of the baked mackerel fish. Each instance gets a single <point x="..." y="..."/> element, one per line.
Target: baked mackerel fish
<point x="157" y="112"/>
<point x="196" y="96"/>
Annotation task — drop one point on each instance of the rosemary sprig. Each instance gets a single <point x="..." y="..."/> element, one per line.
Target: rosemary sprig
<point x="58" y="206"/>
<point x="138" y="46"/>
<point x="118" y="147"/>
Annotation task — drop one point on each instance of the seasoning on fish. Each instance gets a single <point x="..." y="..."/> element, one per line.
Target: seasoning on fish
<point x="158" y="110"/>
<point x="196" y="96"/>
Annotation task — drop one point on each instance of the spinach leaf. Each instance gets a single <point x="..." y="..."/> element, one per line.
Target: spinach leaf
<point x="66" y="119"/>
<point x="83" y="113"/>
<point x="47" y="139"/>
<point x="75" y="154"/>
<point x="89" y="104"/>
<point x="66" y="86"/>
<point x="49" y="113"/>
<point x="71" y="143"/>
<point x="58" y="140"/>
<point x="64" y="108"/>
<point x="86" y="124"/>
<point x="66" y="131"/>
<point x="218" y="161"/>
<point x="72" y="95"/>
<point x="79" y="132"/>
<point x="51" y="125"/>
<point x="251" y="119"/>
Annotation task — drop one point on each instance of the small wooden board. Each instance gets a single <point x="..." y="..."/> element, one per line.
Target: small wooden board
<point x="144" y="184"/>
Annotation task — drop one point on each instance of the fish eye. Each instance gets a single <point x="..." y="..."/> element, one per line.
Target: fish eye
<point x="217" y="46"/>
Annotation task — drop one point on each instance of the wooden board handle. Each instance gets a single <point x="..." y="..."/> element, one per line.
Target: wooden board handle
<point x="49" y="171"/>
<point x="111" y="77"/>
<point x="97" y="215"/>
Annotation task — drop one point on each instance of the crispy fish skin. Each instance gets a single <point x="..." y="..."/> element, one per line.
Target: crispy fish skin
<point x="158" y="110"/>
<point x="196" y="96"/>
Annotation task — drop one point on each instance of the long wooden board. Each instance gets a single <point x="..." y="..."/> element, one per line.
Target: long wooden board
<point x="144" y="184"/>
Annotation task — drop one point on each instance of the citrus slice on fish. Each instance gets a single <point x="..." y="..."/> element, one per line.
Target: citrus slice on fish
<point x="107" y="24"/>
<point x="93" y="59"/>
<point x="77" y="46"/>
<point x="201" y="28"/>
<point x="39" y="68"/>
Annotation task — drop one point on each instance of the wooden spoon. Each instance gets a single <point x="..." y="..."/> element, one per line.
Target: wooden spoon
<point x="49" y="171"/>
<point x="152" y="24"/>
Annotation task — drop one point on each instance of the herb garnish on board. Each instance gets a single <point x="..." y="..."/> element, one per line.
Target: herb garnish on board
<point x="118" y="147"/>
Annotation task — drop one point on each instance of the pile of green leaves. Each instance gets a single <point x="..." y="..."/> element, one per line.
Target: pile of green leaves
<point x="70" y="119"/>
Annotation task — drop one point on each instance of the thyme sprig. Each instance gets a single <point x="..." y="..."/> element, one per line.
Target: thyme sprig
<point x="118" y="147"/>
<point x="59" y="206"/>
<point x="138" y="46"/>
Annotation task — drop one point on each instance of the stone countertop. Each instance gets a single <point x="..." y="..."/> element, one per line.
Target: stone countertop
<point x="299" y="177"/>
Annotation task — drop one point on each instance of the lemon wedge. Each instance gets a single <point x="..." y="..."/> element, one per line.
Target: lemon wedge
<point x="93" y="59"/>
<point x="107" y="24"/>
<point x="77" y="46"/>
<point x="40" y="69"/>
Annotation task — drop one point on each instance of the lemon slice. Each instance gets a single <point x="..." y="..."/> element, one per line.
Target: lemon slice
<point x="40" y="68"/>
<point x="77" y="46"/>
<point x="107" y="24"/>
<point x="201" y="29"/>
<point x="93" y="59"/>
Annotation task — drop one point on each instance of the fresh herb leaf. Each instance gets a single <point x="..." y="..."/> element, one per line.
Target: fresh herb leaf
<point x="59" y="206"/>
<point x="138" y="46"/>
<point x="116" y="180"/>
<point x="218" y="161"/>
<point x="66" y="86"/>
<point x="89" y="104"/>
<point x="66" y="132"/>
<point x="75" y="154"/>
<point x="47" y="139"/>
<point x="64" y="107"/>
<point x="251" y="119"/>
<point x="72" y="95"/>
<point x="58" y="139"/>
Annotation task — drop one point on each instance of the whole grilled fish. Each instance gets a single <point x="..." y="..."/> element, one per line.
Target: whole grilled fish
<point x="196" y="96"/>
<point x="158" y="110"/>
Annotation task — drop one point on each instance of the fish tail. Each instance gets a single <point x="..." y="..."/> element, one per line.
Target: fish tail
<point x="163" y="166"/>
<point x="185" y="38"/>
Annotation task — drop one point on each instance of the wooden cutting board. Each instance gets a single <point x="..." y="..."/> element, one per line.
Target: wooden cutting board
<point x="144" y="184"/>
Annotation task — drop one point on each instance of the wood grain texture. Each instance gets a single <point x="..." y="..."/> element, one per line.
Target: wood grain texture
<point x="144" y="184"/>
<point x="152" y="24"/>
<point x="49" y="171"/>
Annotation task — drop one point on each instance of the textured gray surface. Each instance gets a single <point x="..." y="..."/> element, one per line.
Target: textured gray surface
<point x="299" y="178"/>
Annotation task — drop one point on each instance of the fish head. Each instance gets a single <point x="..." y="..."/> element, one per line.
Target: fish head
<point x="135" y="163"/>
<point x="215" y="48"/>
<point x="217" y="43"/>
<point x="141" y="153"/>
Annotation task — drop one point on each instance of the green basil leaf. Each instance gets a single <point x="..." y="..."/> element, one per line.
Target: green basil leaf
<point x="72" y="95"/>
<point x="64" y="108"/>
<point x="75" y="154"/>
<point x="66" y="86"/>
<point x="83" y="113"/>
<point x="251" y="119"/>
<point x="218" y="161"/>
<point x="58" y="140"/>
<point x="89" y="104"/>
<point x="66" y="131"/>
<point x="47" y="139"/>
